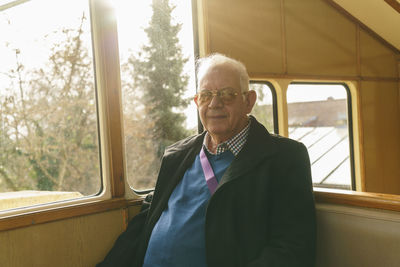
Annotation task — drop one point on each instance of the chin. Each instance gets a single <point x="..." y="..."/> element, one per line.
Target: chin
<point x="218" y="128"/>
<point x="218" y="131"/>
<point x="213" y="130"/>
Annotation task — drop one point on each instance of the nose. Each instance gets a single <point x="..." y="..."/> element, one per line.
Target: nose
<point x="215" y="102"/>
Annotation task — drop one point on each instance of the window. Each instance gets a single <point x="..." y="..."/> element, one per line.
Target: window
<point x="318" y="116"/>
<point x="49" y="148"/>
<point x="265" y="108"/>
<point x="157" y="78"/>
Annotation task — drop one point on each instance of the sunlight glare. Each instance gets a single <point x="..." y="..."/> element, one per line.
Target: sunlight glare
<point x="314" y="92"/>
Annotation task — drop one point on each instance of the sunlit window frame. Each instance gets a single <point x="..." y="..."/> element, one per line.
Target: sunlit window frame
<point x="100" y="189"/>
<point x="349" y="127"/>
<point x="108" y="97"/>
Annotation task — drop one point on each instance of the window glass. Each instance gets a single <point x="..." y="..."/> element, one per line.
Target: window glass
<point x="48" y="120"/>
<point x="157" y="78"/>
<point x="318" y="117"/>
<point x="263" y="109"/>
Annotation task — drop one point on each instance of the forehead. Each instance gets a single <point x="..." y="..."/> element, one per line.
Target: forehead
<point x="220" y="76"/>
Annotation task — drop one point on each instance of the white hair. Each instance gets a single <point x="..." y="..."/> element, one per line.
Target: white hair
<point x="216" y="59"/>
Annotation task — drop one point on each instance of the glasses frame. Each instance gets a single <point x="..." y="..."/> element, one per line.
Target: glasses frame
<point x="217" y="93"/>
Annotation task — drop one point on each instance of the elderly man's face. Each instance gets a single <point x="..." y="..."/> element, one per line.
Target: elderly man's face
<point x="224" y="119"/>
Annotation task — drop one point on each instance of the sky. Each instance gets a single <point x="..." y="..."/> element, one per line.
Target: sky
<point x="314" y="92"/>
<point x="26" y="27"/>
<point x="32" y="29"/>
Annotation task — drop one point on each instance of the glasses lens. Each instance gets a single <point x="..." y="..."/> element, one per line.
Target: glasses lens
<point x="205" y="96"/>
<point x="227" y="95"/>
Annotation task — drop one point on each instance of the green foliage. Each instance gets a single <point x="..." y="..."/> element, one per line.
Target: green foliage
<point x="158" y="72"/>
<point x="264" y="115"/>
<point x="263" y="112"/>
<point x="153" y="86"/>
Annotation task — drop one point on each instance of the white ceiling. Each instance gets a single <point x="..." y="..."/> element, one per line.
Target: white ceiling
<point x="377" y="15"/>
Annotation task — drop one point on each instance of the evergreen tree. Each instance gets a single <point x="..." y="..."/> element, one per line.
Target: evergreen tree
<point x="158" y="73"/>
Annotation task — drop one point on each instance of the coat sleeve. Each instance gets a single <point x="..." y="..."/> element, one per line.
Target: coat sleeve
<point x="125" y="247"/>
<point x="293" y="227"/>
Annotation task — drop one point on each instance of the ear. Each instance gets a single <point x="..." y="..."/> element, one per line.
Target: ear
<point x="250" y="100"/>
<point x="195" y="100"/>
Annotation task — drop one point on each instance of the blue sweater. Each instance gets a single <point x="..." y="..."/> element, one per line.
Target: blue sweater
<point x="177" y="239"/>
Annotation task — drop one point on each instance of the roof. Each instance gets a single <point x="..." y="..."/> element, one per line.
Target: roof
<point x="328" y="148"/>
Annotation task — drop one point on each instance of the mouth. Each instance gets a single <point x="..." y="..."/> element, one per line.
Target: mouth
<point x="216" y="117"/>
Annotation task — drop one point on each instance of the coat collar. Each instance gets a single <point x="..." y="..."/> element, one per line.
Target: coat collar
<point x="259" y="146"/>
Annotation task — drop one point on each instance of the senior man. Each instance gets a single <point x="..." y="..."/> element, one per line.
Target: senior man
<point x="234" y="195"/>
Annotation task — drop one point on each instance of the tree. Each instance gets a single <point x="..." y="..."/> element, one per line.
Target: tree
<point x="156" y="90"/>
<point x="263" y="112"/>
<point x="159" y="72"/>
<point x="50" y="122"/>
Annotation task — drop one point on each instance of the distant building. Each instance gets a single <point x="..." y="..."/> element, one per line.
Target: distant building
<point x="331" y="112"/>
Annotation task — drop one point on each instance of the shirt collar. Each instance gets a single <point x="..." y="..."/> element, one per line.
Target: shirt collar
<point x="234" y="144"/>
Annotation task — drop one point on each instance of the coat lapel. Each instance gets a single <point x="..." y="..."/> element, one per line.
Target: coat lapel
<point x="259" y="146"/>
<point x="181" y="157"/>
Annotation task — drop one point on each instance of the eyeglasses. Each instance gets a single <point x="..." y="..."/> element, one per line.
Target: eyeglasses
<point x="226" y="95"/>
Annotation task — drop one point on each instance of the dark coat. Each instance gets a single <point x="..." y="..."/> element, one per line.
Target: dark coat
<point x="262" y="213"/>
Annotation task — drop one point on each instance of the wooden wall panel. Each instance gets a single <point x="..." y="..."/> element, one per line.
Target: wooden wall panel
<point x="320" y="40"/>
<point x="241" y="29"/>
<point x="376" y="59"/>
<point x="79" y="242"/>
<point x="381" y="132"/>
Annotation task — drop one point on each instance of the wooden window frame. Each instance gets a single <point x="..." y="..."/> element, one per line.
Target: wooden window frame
<point x="349" y="125"/>
<point x="107" y="81"/>
<point x="357" y="199"/>
<point x="330" y="195"/>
